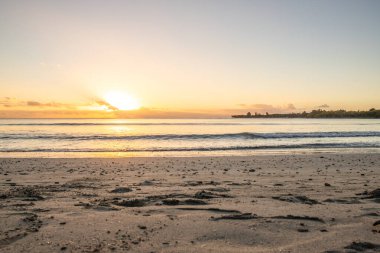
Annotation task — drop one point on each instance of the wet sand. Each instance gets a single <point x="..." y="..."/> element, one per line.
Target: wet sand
<point x="275" y="203"/>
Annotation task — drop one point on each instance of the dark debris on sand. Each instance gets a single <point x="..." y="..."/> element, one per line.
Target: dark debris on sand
<point x="198" y="183"/>
<point x="131" y="203"/>
<point x="30" y="223"/>
<point x="296" y="199"/>
<point x="168" y="200"/>
<point x="243" y="216"/>
<point x="28" y="192"/>
<point x="295" y="217"/>
<point x="33" y="222"/>
<point x="210" y="195"/>
<point x="121" y="190"/>
<point x="363" y="246"/>
<point x="175" y="202"/>
<point x="373" y="195"/>
<point x="211" y="209"/>
<point x="343" y="201"/>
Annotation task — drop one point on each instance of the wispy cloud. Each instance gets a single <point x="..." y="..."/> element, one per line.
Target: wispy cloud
<point x="91" y="104"/>
<point x="262" y="108"/>
<point x="323" y="106"/>
<point x="7" y="101"/>
<point x="50" y="104"/>
<point x="102" y="102"/>
<point x="16" y="103"/>
<point x="97" y="107"/>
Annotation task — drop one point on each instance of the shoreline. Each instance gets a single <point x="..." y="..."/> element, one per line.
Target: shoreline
<point x="179" y="154"/>
<point x="263" y="203"/>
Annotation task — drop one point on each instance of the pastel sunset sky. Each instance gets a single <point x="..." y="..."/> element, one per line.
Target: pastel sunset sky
<point x="196" y="58"/>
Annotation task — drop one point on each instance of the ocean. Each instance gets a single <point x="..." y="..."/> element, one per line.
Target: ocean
<point x="184" y="137"/>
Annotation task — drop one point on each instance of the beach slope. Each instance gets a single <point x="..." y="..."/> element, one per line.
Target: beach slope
<point x="266" y="203"/>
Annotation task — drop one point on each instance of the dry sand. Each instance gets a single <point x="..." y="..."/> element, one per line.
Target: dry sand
<point x="282" y="203"/>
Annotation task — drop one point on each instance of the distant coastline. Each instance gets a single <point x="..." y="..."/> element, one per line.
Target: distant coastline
<point x="318" y="114"/>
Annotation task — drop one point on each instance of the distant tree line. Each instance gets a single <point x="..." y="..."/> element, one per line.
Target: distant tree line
<point x="317" y="114"/>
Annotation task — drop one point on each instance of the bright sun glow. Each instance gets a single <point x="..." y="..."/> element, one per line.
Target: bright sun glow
<point x="121" y="100"/>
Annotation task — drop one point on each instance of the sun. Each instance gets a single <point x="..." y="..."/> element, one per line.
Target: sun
<point x="121" y="101"/>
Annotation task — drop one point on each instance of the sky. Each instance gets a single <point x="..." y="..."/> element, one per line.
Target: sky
<point x="190" y="58"/>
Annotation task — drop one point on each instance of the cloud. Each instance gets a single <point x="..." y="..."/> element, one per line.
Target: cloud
<point x="51" y="104"/>
<point x="5" y="104"/>
<point x="54" y="114"/>
<point x="149" y="113"/>
<point x="15" y="103"/>
<point x="323" y="106"/>
<point x="263" y="108"/>
<point x="8" y="102"/>
<point x="99" y="108"/>
<point x="102" y="102"/>
<point x="33" y="103"/>
<point x="92" y="104"/>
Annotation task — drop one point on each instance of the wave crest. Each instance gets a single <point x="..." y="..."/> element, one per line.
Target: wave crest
<point x="242" y="135"/>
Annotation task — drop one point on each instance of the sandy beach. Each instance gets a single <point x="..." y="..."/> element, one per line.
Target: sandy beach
<point x="163" y="126"/>
<point x="272" y="203"/>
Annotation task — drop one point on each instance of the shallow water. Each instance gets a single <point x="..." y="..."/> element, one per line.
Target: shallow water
<point x="183" y="137"/>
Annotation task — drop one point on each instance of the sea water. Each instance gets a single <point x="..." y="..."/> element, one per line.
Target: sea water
<point x="184" y="137"/>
